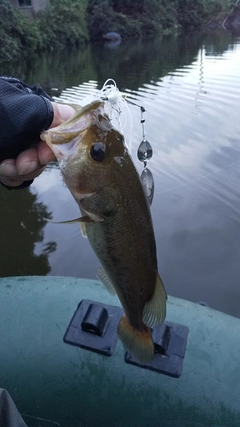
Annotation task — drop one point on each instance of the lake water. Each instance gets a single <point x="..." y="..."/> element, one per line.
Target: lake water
<point x="190" y="88"/>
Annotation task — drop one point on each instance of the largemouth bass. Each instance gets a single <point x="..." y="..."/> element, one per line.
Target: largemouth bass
<point x="101" y="176"/>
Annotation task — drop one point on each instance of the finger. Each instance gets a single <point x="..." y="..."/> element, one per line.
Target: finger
<point x="61" y="112"/>
<point x="45" y="154"/>
<point x="9" y="172"/>
<point x="31" y="175"/>
<point x="27" y="161"/>
<point x="8" y="168"/>
<point x="10" y="182"/>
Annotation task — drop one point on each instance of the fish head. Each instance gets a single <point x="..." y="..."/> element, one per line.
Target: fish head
<point x="88" y="149"/>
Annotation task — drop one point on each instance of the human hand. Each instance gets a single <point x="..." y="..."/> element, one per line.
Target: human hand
<point x="31" y="162"/>
<point x="27" y="166"/>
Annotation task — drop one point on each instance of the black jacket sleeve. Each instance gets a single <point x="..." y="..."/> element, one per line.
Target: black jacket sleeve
<point x="25" y="111"/>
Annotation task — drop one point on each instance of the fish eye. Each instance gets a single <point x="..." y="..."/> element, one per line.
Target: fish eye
<point x="98" y="151"/>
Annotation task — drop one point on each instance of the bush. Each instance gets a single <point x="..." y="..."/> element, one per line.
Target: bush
<point x="149" y="17"/>
<point x="128" y="17"/>
<point x="68" y="23"/>
<point x="18" y="35"/>
<point x="61" y="25"/>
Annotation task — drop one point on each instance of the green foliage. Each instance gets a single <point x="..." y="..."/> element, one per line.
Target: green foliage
<point x="68" y="23"/>
<point x="16" y="33"/>
<point x="193" y="14"/>
<point x="101" y="16"/>
<point x="61" y="25"/>
<point x="128" y="6"/>
<point x="148" y="17"/>
<point x="128" y="17"/>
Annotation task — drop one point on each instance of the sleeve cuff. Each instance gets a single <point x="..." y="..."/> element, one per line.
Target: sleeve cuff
<point x="50" y="113"/>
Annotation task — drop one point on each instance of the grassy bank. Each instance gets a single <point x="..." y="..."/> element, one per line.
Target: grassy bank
<point x="71" y="23"/>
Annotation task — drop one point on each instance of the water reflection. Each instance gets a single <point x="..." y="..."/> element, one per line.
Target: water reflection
<point x="55" y="71"/>
<point x="22" y="221"/>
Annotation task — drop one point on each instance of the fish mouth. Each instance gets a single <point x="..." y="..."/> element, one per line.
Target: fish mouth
<point x="64" y="140"/>
<point x="45" y="136"/>
<point x="60" y="150"/>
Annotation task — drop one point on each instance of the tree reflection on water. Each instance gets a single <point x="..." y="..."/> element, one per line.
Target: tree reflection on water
<point x="22" y="221"/>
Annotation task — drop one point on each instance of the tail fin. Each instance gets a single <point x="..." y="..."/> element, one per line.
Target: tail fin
<point x="139" y="343"/>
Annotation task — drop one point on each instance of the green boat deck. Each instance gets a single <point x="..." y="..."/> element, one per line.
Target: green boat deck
<point x="57" y="384"/>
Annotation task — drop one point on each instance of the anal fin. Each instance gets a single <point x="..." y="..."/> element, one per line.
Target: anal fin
<point x="154" y="311"/>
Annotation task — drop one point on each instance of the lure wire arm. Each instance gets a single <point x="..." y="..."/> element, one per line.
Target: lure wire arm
<point x="113" y="97"/>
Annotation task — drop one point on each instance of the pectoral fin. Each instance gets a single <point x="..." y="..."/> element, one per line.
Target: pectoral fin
<point x="102" y="275"/>
<point x="72" y="221"/>
<point x="83" y="230"/>
<point x="102" y="204"/>
<point x="154" y="311"/>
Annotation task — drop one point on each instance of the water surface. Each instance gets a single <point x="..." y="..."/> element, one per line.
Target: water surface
<point x="190" y="87"/>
